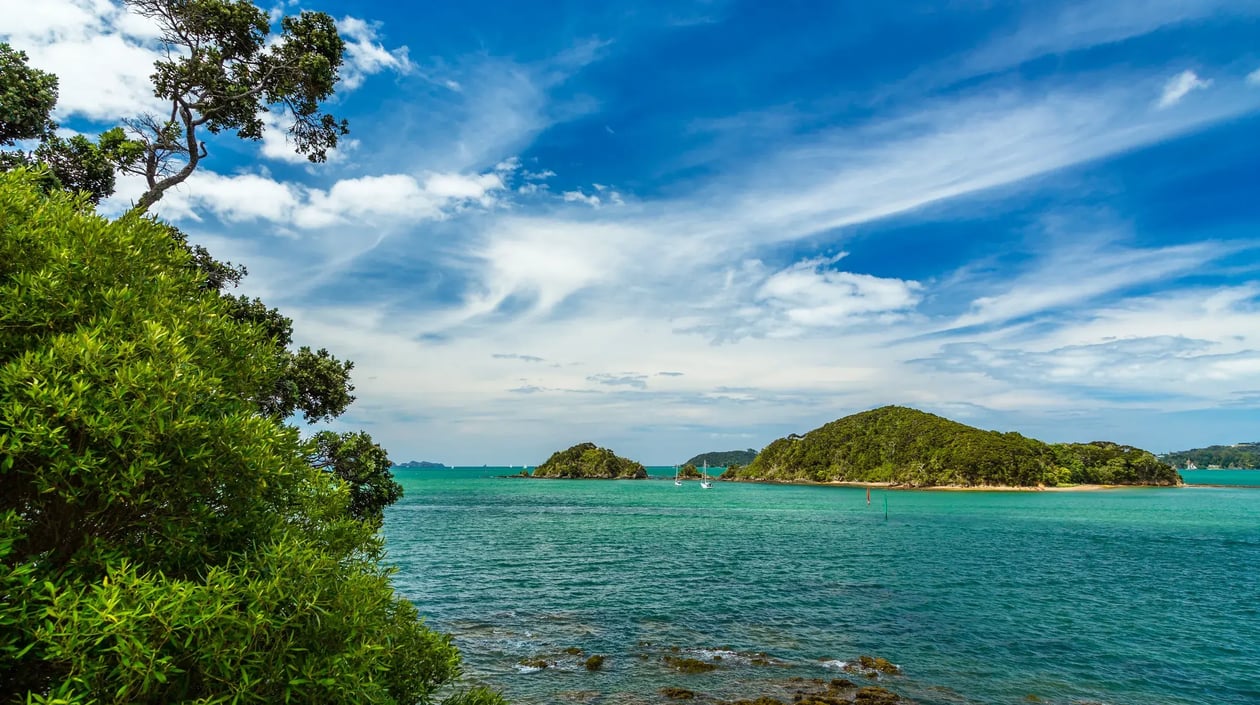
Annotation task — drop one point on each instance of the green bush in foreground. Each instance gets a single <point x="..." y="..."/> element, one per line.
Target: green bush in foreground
<point x="161" y="540"/>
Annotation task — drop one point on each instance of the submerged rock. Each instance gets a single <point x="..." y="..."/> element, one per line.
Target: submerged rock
<point x="674" y="693"/>
<point x="689" y="665"/>
<point x="875" y="695"/>
<point x="594" y="663"/>
<point x="535" y="663"/>
<point x="871" y="666"/>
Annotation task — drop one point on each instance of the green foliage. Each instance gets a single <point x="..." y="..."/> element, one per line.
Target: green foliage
<point x="361" y="464"/>
<point x="586" y="460"/>
<point x="27" y="98"/>
<point x="689" y="472"/>
<point x="723" y="459"/>
<point x="160" y="539"/>
<point x="910" y="447"/>
<point x="1241" y="456"/>
<point x="223" y="72"/>
<point x="1106" y="463"/>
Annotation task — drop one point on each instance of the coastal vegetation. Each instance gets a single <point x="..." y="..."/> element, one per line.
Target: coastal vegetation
<point x="725" y="458"/>
<point x="587" y="460"/>
<point x="1240" y="456"/>
<point x="166" y="535"/>
<point x="689" y="472"/>
<point x="906" y="446"/>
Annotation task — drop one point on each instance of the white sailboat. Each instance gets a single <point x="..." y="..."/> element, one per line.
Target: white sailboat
<point x="705" y="483"/>
<point x="677" y="480"/>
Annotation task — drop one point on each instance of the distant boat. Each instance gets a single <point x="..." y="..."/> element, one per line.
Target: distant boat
<point x="677" y="480"/>
<point x="705" y="484"/>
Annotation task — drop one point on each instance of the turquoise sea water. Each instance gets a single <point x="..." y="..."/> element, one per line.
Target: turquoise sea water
<point x="1120" y="596"/>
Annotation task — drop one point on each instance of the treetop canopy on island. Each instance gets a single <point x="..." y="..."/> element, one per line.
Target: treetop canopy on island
<point x="911" y="447"/>
<point x="587" y="460"/>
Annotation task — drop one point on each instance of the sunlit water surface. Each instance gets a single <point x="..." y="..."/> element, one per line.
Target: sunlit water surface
<point x="1139" y="596"/>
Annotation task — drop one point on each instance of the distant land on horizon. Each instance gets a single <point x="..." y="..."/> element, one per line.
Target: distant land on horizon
<point x="420" y="464"/>
<point x="1239" y="456"/>
<point x="723" y="458"/>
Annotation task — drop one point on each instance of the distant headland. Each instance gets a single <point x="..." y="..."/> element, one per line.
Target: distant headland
<point x="420" y="464"/>
<point x="1240" y="456"/>
<point x="723" y="458"/>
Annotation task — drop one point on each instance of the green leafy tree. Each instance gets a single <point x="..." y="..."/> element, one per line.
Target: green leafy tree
<point x="223" y="72"/>
<point x="27" y="98"/>
<point x="361" y="464"/>
<point x="161" y="540"/>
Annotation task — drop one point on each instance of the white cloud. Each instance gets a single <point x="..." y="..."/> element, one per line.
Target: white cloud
<point x="1079" y="274"/>
<point x="376" y="200"/>
<point x="578" y="197"/>
<point x="1180" y="86"/>
<point x="1254" y="78"/>
<point x="101" y="54"/>
<point x="365" y="55"/>
<point x="811" y="294"/>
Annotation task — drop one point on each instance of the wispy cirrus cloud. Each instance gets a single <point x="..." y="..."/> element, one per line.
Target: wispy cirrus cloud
<point x="1180" y="86"/>
<point x="1060" y="28"/>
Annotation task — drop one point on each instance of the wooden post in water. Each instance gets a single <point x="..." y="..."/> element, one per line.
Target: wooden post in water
<point x="885" y="507"/>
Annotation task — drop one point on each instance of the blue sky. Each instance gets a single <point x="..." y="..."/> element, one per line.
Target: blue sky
<point x="677" y="227"/>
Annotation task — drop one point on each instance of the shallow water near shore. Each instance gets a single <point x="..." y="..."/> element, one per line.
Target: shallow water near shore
<point x="1120" y="596"/>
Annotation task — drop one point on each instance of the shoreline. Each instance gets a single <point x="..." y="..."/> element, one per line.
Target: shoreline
<point x="890" y="485"/>
<point x="953" y="488"/>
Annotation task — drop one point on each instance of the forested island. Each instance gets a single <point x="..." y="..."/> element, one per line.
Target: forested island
<point x="587" y="460"/>
<point x="423" y="464"/>
<point x="909" y="447"/>
<point x="1240" y="456"/>
<point x="724" y="458"/>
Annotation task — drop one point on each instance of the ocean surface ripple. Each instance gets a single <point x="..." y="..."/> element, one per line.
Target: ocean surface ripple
<point x="1145" y="596"/>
